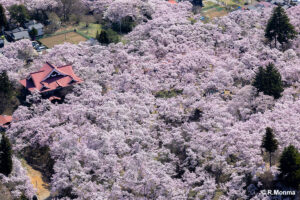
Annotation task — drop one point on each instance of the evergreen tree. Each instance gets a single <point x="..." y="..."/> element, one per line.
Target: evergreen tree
<point x="269" y="143"/>
<point x="5" y="156"/>
<point x="103" y="37"/>
<point x="197" y="3"/>
<point x="5" y="85"/>
<point x="6" y="90"/>
<point x="19" y="13"/>
<point x="33" y="33"/>
<point x="279" y="27"/>
<point x="290" y="166"/>
<point x="3" y="20"/>
<point x="259" y="79"/>
<point x="125" y="25"/>
<point x="269" y="81"/>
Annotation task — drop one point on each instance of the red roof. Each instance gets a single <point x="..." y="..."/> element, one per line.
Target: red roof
<point x="54" y="98"/>
<point x="4" y="120"/>
<point x="50" y="77"/>
<point x="172" y="1"/>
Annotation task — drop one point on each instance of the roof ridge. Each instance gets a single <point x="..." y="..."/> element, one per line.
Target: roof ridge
<point x="53" y="66"/>
<point x="39" y="78"/>
<point x="58" y="83"/>
<point x="64" y="66"/>
<point x="37" y="72"/>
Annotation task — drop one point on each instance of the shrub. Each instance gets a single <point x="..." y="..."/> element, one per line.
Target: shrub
<point x="267" y="179"/>
<point x="108" y="36"/>
<point x="168" y="93"/>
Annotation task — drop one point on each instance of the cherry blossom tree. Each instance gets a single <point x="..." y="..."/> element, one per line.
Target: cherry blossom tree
<point x="114" y="137"/>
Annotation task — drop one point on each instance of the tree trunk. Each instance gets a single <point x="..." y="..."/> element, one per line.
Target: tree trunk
<point x="270" y="159"/>
<point x="64" y="12"/>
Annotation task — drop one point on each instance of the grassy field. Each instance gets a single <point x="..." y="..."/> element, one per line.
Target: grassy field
<point x="221" y="8"/>
<point x="215" y="12"/>
<point x="71" y="37"/>
<point x="90" y="31"/>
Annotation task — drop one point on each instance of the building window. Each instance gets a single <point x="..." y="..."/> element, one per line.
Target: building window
<point x="54" y="74"/>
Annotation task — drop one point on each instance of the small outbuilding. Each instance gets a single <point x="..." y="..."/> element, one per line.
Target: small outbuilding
<point x="38" y="26"/>
<point x="17" y="34"/>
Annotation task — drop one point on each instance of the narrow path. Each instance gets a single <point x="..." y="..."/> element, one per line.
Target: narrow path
<point x="37" y="181"/>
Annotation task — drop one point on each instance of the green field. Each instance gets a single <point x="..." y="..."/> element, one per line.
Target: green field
<point x="70" y="37"/>
<point x="89" y="31"/>
<point x="222" y="7"/>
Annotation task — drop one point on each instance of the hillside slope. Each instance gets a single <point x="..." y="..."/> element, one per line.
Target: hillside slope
<point x="168" y="114"/>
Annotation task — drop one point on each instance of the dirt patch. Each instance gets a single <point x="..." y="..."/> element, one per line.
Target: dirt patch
<point x="71" y="37"/>
<point x="38" y="182"/>
<point x="40" y="159"/>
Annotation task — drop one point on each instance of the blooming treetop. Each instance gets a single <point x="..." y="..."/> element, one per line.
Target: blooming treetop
<point x="115" y="137"/>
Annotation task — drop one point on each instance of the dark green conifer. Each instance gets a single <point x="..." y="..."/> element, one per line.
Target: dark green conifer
<point x="269" y="143"/>
<point x="6" y="90"/>
<point x="269" y="81"/>
<point x="103" y="37"/>
<point x="279" y="27"/>
<point x="3" y="19"/>
<point x="33" y="33"/>
<point x="6" y="164"/>
<point x="19" y="13"/>
<point x="5" y="84"/>
<point x="290" y="166"/>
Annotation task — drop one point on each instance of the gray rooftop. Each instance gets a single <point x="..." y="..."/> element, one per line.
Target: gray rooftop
<point x="36" y="26"/>
<point x="21" y="35"/>
<point x="251" y="7"/>
<point x="32" y="24"/>
<point x="18" y="33"/>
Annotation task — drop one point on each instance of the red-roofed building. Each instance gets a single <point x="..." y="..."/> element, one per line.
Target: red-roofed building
<point x="53" y="98"/>
<point x="5" y="121"/>
<point x="51" y="78"/>
<point x="172" y="1"/>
